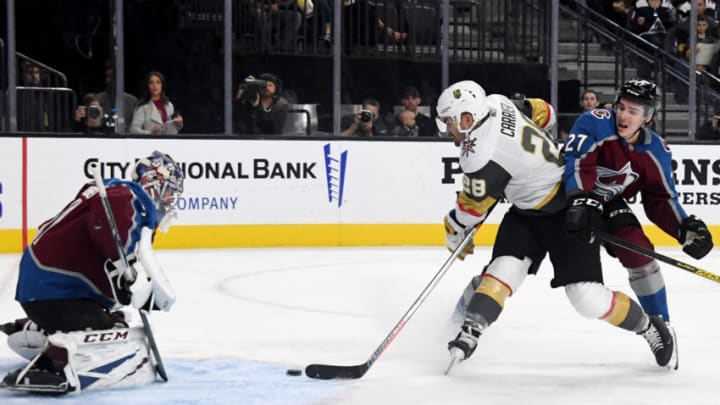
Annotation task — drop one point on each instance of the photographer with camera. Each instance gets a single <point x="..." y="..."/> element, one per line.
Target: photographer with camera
<point x="90" y="116"/>
<point x="260" y="108"/>
<point x="366" y="122"/>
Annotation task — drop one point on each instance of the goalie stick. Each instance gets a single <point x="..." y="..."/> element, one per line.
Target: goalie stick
<point x="329" y="372"/>
<point x="655" y="255"/>
<point x="159" y="367"/>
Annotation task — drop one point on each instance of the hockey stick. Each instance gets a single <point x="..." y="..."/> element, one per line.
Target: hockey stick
<point x="329" y="372"/>
<point x="655" y="255"/>
<point x="159" y="367"/>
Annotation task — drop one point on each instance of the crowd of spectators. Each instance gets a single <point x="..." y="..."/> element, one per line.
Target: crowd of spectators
<point x="285" y="26"/>
<point x="261" y="108"/>
<point x="666" y="24"/>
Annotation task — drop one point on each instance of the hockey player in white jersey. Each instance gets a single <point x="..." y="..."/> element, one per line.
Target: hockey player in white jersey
<point x="503" y="153"/>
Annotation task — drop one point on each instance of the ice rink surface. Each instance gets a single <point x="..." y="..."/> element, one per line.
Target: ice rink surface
<point x="243" y="316"/>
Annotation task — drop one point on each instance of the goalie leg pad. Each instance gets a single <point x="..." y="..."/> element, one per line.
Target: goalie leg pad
<point x="112" y="358"/>
<point x="29" y="341"/>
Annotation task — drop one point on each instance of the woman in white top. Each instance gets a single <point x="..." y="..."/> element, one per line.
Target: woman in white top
<point x="154" y="113"/>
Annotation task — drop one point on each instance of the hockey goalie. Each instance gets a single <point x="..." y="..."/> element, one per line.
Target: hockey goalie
<point x="87" y="269"/>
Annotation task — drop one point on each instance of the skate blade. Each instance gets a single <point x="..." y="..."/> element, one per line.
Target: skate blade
<point x="674" y="362"/>
<point x="456" y="357"/>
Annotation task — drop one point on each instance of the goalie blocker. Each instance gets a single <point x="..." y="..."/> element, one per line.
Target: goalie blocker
<point x="80" y="361"/>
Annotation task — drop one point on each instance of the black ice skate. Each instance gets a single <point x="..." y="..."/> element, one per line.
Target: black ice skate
<point x="37" y="381"/>
<point x="464" y="344"/>
<point x="661" y="341"/>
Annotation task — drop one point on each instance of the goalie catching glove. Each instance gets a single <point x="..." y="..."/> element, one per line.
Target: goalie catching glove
<point x="455" y="233"/>
<point x="695" y="238"/>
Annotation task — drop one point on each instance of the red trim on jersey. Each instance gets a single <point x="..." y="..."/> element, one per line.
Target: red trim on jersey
<point x="501" y="282"/>
<point x="24" y="193"/>
<point x="470" y="211"/>
<point x="612" y="306"/>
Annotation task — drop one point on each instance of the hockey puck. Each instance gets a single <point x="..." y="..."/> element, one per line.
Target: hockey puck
<point x="293" y="372"/>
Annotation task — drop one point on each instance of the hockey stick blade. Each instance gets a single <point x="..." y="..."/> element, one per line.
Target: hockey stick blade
<point x="330" y="372"/>
<point x="159" y="367"/>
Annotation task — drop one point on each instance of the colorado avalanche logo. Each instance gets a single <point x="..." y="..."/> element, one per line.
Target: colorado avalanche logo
<point x="610" y="183"/>
<point x="468" y="146"/>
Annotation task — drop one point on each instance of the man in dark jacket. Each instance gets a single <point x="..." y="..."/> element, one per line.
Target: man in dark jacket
<point x="260" y="108"/>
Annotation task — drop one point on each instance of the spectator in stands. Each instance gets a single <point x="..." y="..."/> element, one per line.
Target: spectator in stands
<point x="276" y="24"/>
<point x="107" y="97"/>
<point x="33" y="104"/>
<point x="322" y="13"/>
<point x="589" y="100"/>
<point x="407" y="126"/>
<point x="366" y="26"/>
<point x="260" y="110"/>
<point x="683" y="26"/>
<point x="410" y="100"/>
<point x="652" y="22"/>
<point x="366" y="122"/>
<point x="619" y="11"/>
<point x="90" y="116"/>
<point x="31" y="75"/>
<point x="154" y="113"/>
<point x="703" y="37"/>
<point x="710" y="130"/>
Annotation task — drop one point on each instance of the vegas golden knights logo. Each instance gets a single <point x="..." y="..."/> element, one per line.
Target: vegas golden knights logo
<point x="456" y="93"/>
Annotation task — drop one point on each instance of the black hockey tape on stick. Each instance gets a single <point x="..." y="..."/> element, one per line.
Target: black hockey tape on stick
<point x="329" y="372"/>
<point x="159" y="367"/>
<point x="655" y="255"/>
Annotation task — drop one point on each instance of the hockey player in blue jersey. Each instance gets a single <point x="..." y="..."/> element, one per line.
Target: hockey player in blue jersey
<point x="612" y="155"/>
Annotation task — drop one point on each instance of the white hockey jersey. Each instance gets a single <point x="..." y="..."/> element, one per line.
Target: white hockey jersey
<point x="508" y="155"/>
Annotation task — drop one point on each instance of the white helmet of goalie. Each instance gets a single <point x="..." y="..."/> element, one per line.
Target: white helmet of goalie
<point x="462" y="97"/>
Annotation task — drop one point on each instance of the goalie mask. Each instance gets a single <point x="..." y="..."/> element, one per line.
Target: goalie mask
<point x="162" y="179"/>
<point x="462" y="97"/>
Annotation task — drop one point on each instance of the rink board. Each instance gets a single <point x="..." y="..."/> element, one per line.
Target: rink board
<point x="307" y="192"/>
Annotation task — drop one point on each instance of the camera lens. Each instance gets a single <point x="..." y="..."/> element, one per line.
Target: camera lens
<point x="365" y="116"/>
<point x="93" y="111"/>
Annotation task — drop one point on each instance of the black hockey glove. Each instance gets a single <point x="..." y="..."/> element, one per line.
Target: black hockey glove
<point x="695" y="238"/>
<point x="120" y="284"/>
<point x="583" y="217"/>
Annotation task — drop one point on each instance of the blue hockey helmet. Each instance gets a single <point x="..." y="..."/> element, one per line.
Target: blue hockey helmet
<point x="161" y="178"/>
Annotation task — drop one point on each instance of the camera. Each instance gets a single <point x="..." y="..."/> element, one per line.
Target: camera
<point x="251" y="87"/>
<point x="93" y="111"/>
<point x="366" y="116"/>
